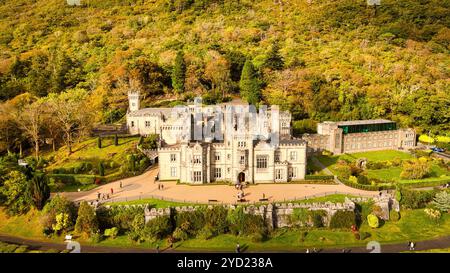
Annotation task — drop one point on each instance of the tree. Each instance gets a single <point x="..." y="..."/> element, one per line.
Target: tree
<point x="72" y="111"/>
<point x="249" y="84"/>
<point x="39" y="190"/>
<point x="116" y="140"/>
<point x="59" y="205"/>
<point x="101" y="169"/>
<point x="30" y="120"/>
<point x="442" y="201"/>
<point x="87" y="222"/>
<point x="274" y="60"/>
<point x="217" y="71"/>
<point x="15" y="191"/>
<point x="179" y="73"/>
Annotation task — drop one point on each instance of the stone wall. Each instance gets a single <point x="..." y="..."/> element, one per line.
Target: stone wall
<point x="279" y="214"/>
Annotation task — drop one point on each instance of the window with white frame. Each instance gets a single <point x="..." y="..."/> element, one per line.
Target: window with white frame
<point x="261" y="161"/>
<point x="278" y="174"/>
<point x="217" y="156"/>
<point x="147" y="123"/>
<point x="293" y="172"/>
<point x="218" y="172"/>
<point x="132" y="124"/>
<point x="241" y="144"/>
<point x="242" y="159"/>
<point x="197" y="159"/>
<point x="197" y="176"/>
<point x="293" y="155"/>
<point x="173" y="157"/>
<point x="173" y="171"/>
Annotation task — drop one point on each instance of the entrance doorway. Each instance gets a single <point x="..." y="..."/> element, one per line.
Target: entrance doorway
<point x="241" y="177"/>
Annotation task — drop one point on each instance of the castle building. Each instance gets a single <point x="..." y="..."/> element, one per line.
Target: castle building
<point x="235" y="143"/>
<point x="227" y="142"/>
<point x="360" y="136"/>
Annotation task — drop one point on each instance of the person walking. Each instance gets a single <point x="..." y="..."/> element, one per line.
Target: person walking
<point x="162" y="186"/>
<point x="307" y="250"/>
<point x="120" y="185"/>
<point x="98" y="195"/>
<point x="112" y="191"/>
<point x="238" y="248"/>
<point x="157" y="248"/>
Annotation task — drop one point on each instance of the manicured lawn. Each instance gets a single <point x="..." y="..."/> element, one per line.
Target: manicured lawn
<point x="156" y="203"/>
<point x="387" y="174"/>
<point x="89" y="152"/>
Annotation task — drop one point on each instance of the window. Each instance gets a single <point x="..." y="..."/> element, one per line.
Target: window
<point x="277" y="156"/>
<point x="241" y="144"/>
<point x="147" y="123"/>
<point x="173" y="157"/>
<point x="218" y="173"/>
<point x="242" y="160"/>
<point x="261" y="161"/>
<point x="132" y="124"/>
<point x="279" y="174"/>
<point x="197" y="177"/>
<point x="293" y="155"/>
<point x="173" y="171"/>
<point x="228" y="156"/>
<point x="293" y="172"/>
<point x="197" y="159"/>
<point x="217" y="156"/>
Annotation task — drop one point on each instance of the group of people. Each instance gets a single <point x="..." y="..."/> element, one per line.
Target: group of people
<point x="106" y="196"/>
<point x="411" y="245"/>
<point x="313" y="250"/>
<point x="160" y="187"/>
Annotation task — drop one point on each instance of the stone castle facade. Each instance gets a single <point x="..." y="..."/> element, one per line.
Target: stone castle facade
<point x="235" y="143"/>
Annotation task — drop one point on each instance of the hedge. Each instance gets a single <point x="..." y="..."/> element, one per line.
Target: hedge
<point x="83" y="179"/>
<point x="319" y="177"/>
<point x="430" y="183"/>
<point x="366" y="187"/>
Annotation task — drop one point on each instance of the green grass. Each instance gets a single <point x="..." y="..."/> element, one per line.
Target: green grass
<point x="88" y="151"/>
<point x="391" y="174"/>
<point x="156" y="203"/>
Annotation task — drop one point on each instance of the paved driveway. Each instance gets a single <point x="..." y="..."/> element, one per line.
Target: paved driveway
<point x="144" y="186"/>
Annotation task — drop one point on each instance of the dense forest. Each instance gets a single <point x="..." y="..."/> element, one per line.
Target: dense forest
<point x="321" y="59"/>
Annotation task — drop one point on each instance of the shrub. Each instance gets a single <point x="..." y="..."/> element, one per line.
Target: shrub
<point x="111" y="232"/>
<point x="363" y="180"/>
<point x="159" y="227"/>
<point x="193" y="221"/>
<point x="206" y="233"/>
<point x="303" y="235"/>
<point x="180" y="234"/>
<point x="216" y="219"/>
<point x="413" y="199"/>
<point x="415" y="169"/>
<point x="433" y="214"/>
<point x="120" y="217"/>
<point x="373" y="221"/>
<point x="101" y="169"/>
<point x="394" y="215"/>
<point x="316" y="217"/>
<point x="87" y="223"/>
<point x="343" y="219"/>
<point x="353" y="179"/>
<point x="59" y="205"/>
<point x="442" y="201"/>
<point x="396" y="162"/>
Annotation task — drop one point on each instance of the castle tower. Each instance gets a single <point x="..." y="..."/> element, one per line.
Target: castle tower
<point x="133" y="101"/>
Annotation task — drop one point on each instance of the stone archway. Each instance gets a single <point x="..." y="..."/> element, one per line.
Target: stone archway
<point x="241" y="177"/>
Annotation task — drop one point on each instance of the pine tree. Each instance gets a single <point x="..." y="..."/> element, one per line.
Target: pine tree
<point x="179" y="73"/>
<point x="274" y="60"/>
<point x="101" y="169"/>
<point x="39" y="190"/>
<point x="442" y="201"/>
<point x="249" y="84"/>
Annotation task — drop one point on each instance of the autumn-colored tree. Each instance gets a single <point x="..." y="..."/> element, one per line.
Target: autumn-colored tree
<point x="217" y="71"/>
